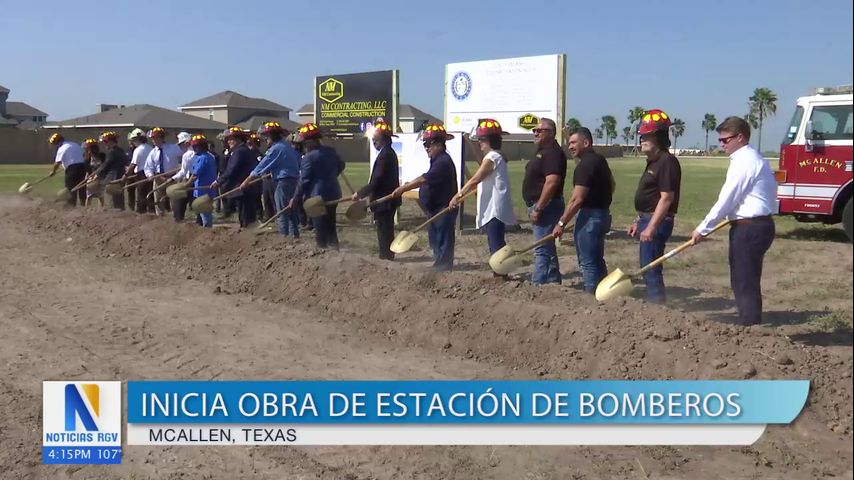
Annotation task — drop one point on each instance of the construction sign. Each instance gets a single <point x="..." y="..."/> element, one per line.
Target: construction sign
<point x="349" y="104"/>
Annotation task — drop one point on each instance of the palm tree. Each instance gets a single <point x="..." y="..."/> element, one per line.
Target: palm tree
<point x="598" y="134"/>
<point x="763" y="104"/>
<point x="627" y="135"/>
<point x="751" y="119"/>
<point x="635" y="114"/>
<point x="609" y="127"/>
<point x="572" y="124"/>
<point x="709" y="124"/>
<point x="677" y="127"/>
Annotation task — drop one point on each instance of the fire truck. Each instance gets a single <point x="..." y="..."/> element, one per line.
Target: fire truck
<point x="814" y="176"/>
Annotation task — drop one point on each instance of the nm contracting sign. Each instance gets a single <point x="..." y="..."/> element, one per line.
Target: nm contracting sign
<point x="350" y="103"/>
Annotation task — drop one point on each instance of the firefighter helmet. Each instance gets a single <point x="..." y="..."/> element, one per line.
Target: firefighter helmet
<point x="652" y="121"/>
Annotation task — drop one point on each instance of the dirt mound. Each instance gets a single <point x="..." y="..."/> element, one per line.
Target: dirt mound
<point x="547" y="332"/>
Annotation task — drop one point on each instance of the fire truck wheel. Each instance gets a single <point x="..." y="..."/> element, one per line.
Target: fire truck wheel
<point x="846" y="220"/>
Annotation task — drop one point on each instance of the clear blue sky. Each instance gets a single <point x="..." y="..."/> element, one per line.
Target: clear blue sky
<point x="687" y="58"/>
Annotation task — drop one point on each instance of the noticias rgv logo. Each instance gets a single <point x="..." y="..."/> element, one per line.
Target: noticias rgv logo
<point x="75" y="407"/>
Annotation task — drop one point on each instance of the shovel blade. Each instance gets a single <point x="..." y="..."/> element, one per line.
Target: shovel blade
<point x="203" y="204"/>
<point x="63" y="195"/>
<point x="114" y="188"/>
<point x="403" y="241"/>
<point x="615" y="284"/>
<point x="314" y="207"/>
<point x="176" y="192"/>
<point x="357" y="211"/>
<point x="504" y="261"/>
<point x="25" y="188"/>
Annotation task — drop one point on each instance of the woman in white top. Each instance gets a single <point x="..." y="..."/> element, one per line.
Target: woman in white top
<point x="494" y="201"/>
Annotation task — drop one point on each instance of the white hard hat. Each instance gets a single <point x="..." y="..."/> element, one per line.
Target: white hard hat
<point x="184" y="137"/>
<point x="136" y="133"/>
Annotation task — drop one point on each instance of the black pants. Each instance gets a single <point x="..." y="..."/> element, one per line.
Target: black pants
<point x="247" y="209"/>
<point x="748" y="242"/>
<point x="74" y="174"/>
<point x="131" y="196"/>
<point x="179" y="208"/>
<point x="116" y="201"/>
<point x="144" y="203"/>
<point x="269" y="197"/>
<point x="385" y="232"/>
<point x="325" y="232"/>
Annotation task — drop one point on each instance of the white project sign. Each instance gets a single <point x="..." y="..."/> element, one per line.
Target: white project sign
<point x="412" y="159"/>
<point x="515" y="91"/>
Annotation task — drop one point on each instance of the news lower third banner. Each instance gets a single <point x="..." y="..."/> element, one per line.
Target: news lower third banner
<point x="459" y="412"/>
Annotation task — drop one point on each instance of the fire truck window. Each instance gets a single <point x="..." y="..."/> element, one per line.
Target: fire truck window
<point x="794" y="125"/>
<point x="832" y="122"/>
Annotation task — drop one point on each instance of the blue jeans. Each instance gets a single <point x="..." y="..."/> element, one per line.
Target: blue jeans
<point x="651" y="250"/>
<point x="441" y="237"/>
<point x="206" y="220"/>
<point x="288" y="222"/>
<point x="495" y="230"/>
<point x="546" y="267"/>
<point x="591" y="225"/>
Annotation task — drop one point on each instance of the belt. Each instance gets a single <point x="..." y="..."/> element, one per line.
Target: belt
<point x="645" y="214"/>
<point x="743" y="221"/>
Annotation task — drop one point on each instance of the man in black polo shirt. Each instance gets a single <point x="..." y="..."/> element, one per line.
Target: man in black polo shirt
<point x="591" y="200"/>
<point x="657" y="198"/>
<point x="437" y="187"/>
<point x="542" y="190"/>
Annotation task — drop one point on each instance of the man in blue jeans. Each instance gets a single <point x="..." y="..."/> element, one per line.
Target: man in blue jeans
<point x="542" y="190"/>
<point x="656" y="199"/>
<point x="591" y="200"/>
<point x="282" y="161"/>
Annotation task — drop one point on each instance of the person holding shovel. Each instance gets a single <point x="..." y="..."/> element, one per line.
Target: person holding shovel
<point x="494" y="201"/>
<point x="241" y="162"/>
<point x="319" y="172"/>
<point x="93" y="157"/>
<point x="69" y="155"/>
<point x="748" y="199"/>
<point x="656" y="199"/>
<point x="591" y="202"/>
<point x="113" y="167"/>
<point x="202" y="174"/>
<point x="384" y="180"/>
<point x="179" y="205"/>
<point x="164" y="157"/>
<point x="436" y="188"/>
<point x="282" y="162"/>
<point x="135" y="171"/>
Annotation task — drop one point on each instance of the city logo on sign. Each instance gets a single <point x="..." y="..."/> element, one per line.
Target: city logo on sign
<point x="461" y="86"/>
<point x="330" y="90"/>
<point x="528" y="121"/>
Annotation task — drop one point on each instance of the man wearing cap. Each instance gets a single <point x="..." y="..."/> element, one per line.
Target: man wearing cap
<point x="591" y="202"/>
<point x="748" y="199"/>
<point x="319" y="172"/>
<point x="494" y="201"/>
<point x="436" y="187"/>
<point x="203" y="173"/>
<point x="114" y="166"/>
<point x="241" y="162"/>
<point x="179" y="205"/>
<point x="164" y="157"/>
<point x="657" y="198"/>
<point x="69" y="155"/>
<point x="282" y="162"/>
<point x="542" y="190"/>
<point x="138" y="196"/>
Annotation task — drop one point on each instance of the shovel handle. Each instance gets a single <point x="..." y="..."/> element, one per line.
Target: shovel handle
<point x="239" y="187"/>
<point x="381" y="200"/>
<point x="148" y="179"/>
<point x="340" y="200"/>
<point x="80" y="185"/>
<point x="40" y="180"/>
<point x="539" y="243"/>
<point x="658" y="261"/>
<point x="441" y="213"/>
<point x="277" y="215"/>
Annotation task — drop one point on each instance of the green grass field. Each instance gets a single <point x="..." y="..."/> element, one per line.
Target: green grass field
<point x="701" y="181"/>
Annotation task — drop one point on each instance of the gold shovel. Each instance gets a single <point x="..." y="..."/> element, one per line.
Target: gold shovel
<point x="506" y="259"/>
<point x="180" y="191"/>
<point x="114" y="187"/>
<point x="151" y="178"/>
<point x="260" y="228"/>
<point x="405" y="239"/>
<point x="316" y="207"/>
<point x="359" y="210"/>
<point x="27" y="187"/>
<point x="204" y="204"/>
<point x="619" y="284"/>
<point x="64" y="195"/>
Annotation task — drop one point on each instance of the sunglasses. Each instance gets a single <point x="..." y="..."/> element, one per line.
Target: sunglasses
<point x="538" y="131"/>
<point x="430" y="143"/>
<point x="726" y="140"/>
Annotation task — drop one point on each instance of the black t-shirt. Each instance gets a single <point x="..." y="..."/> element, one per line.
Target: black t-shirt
<point x="441" y="183"/>
<point x="662" y="174"/>
<point x="594" y="173"/>
<point x="550" y="160"/>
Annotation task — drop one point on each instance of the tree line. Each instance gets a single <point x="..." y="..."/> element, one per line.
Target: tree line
<point x="761" y="105"/>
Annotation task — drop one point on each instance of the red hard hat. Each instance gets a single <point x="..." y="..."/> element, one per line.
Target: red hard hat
<point x="90" y="143"/>
<point x="55" y="138"/>
<point x="653" y="120"/>
<point x="156" y="132"/>
<point x="236" y="132"/>
<point x="198" y="139"/>
<point x="435" y="131"/>
<point x="270" y="127"/>
<point x="382" y="128"/>
<point x="308" y="131"/>
<point x="107" y="136"/>
<point x="487" y="127"/>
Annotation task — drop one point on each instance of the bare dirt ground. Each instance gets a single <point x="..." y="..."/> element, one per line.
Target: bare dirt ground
<point x="105" y="295"/>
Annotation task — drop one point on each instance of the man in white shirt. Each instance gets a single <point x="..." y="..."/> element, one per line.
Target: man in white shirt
<point x="70" y="156"/>
<point x="747" y="199"/>
<point x="179" y="206"/>
<point x="164" y="157"/>
<point x="141" y="148"/>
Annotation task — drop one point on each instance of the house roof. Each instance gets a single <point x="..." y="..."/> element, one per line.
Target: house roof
<point x="7" y="122"/>
<point x="142" y="115"/>
<point x="4" y="89"/>
<point x="307" y="108"/>
<point x="21" y="109"/>
<point x="255" y="121"/>
<point x="232" y="99"/>
<point x="408" y="111"/>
